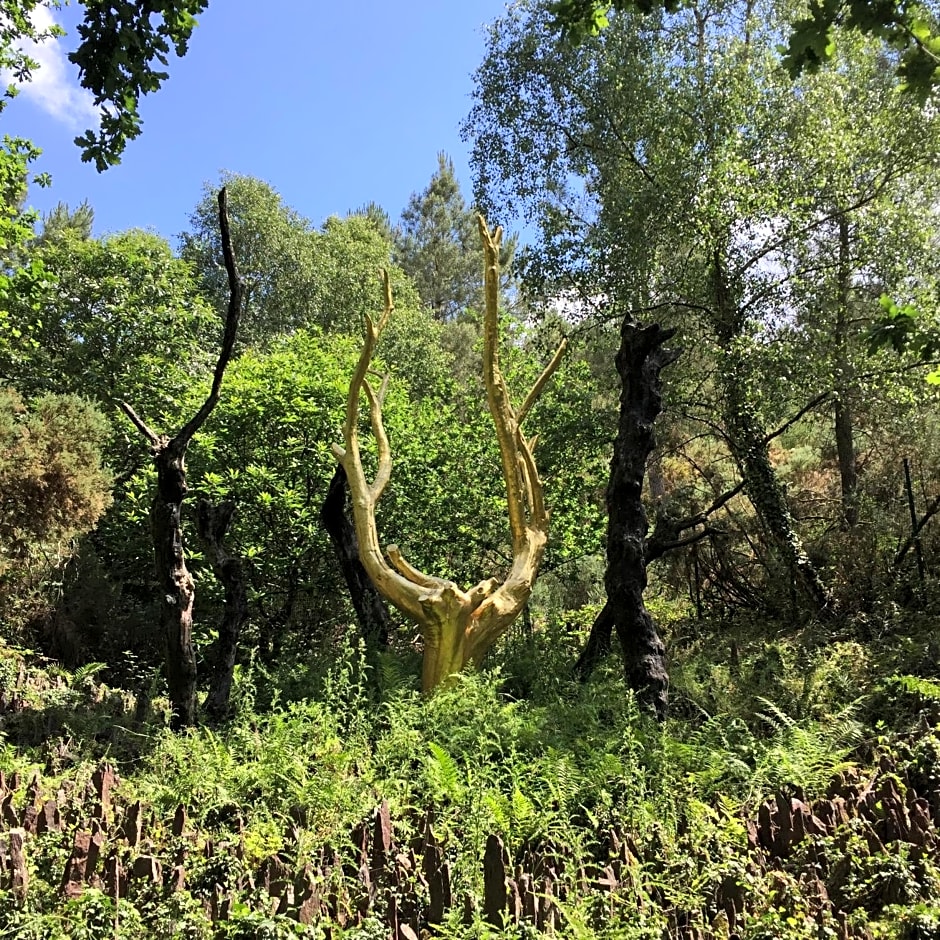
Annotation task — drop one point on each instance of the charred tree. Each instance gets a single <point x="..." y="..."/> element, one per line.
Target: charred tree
<point x="371" y="609"/>
<point x="212" y="523"/>
<point x="169" y="457"/>
<point x="640" y="360"/>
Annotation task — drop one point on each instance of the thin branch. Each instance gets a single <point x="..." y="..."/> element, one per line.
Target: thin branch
<point x="629" y="152"/>
<point x="547" y="373"/>
<point x="139" y="424"/>
<point x="667" y="532"/>
<point x="929" y="513"/>
<point x="770" y="286"/>
<point x="827" y="217"/>
<point x="236" y="292"/>
<point x="718" y="502"/>
<point x="818" y="400"/>
<point x="898" y="370"/>
<point x="383" y="378"/>
<point x="713" y="426"/>
<point x="665" y="547"/>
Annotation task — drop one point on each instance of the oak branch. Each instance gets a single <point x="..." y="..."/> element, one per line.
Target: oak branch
<point x="458" y="626"/>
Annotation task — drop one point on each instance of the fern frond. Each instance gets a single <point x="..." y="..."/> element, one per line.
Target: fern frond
<point x="778" y="719"/>
<point x="83" y="673"/>
<point x="444" y="770"/>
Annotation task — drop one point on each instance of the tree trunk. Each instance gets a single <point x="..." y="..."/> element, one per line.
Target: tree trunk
<point x="848" y="468"/>
<point x="845" y="442"/>
<point x="371" y="609"/>
<point x="458" y="626"/>
<point x="212" y="523"/>
<point x="176" y="583"/>
<point x="752" y="454"/>
<point x="750" y="446"/>
<point x="169" y="458"/>
<point x="640" y="360"/>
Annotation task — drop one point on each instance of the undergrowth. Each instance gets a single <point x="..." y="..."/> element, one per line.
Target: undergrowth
<point x="521" y="750"/>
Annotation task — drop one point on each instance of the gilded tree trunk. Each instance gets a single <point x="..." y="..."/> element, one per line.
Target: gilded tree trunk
<point x="458" y="626"/>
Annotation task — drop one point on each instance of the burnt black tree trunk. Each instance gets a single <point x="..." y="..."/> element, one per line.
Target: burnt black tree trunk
<point x="371" y="609"/>
<point x="169" y="456"/>
<point x="640" y="360"/>
<point x="212" y="523"/>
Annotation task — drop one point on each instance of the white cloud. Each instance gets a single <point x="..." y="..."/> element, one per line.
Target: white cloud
<point x="53" y="86"/>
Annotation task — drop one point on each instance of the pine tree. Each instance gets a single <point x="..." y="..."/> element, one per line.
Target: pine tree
<point x="62" y="220"/>
<point x="436" y="244"/>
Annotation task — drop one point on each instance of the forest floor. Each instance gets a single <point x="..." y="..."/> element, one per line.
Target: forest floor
<point x="794" y="793"/>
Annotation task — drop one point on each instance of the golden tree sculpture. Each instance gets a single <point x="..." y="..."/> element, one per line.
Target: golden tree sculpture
<point x="457" y="626"/>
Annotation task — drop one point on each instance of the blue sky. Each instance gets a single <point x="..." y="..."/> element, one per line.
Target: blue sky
<point x="332" y="104"/>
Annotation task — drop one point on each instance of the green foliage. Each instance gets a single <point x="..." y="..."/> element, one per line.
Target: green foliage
<point x="559" y="770"/>
<point x="53" y="488"/>
<point x="248" y="924"/>
<point x="119" y="45"/>
<point x="438" y="245"/>
<point x="115" y="60"/>
<point x="295" y="276"/>
<point x="295" y="757"/>
<point x="268" y="449"/>
<point x="19" y="276"/>
<point x="353" y="253"/>
<point x="906" y="330"/>
<point x="909" y="28"/>
<point x="908" y="700"/>
<point x="275" y="249"/>
<point x="18" y="27"/>
<point x="61" y="220"/>
<point x="119" y="319"/>
<point x="116" y="319"/>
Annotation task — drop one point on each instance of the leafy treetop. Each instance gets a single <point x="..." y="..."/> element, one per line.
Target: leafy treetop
<point x="911" y="28"/>
<point x="120" y="43"/>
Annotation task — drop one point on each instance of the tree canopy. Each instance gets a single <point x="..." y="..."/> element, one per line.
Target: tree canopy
<point x="909" y="28"/>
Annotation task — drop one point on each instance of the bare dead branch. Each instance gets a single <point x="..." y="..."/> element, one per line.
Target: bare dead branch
<point x="911" y="540"/>
<point x="139" y="424"/>
<point x="236" y="291"/>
